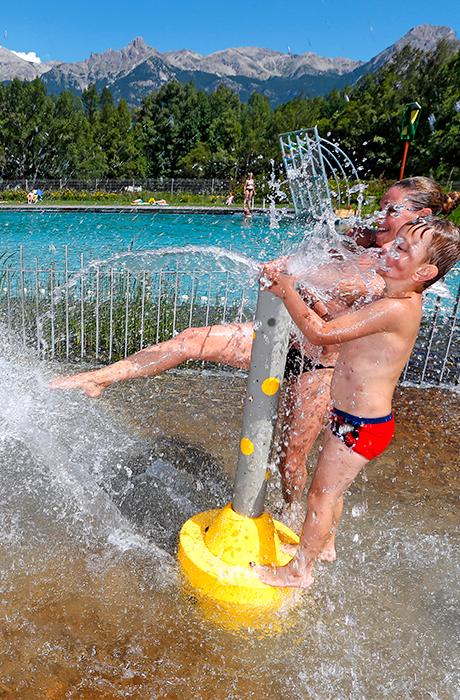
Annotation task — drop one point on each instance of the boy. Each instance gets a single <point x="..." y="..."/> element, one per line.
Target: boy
<point x="375" y="343"/>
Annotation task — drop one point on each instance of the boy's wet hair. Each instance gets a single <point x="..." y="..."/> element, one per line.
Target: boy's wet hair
<point x="444" y="247"/>
<point x="423" y="192"/>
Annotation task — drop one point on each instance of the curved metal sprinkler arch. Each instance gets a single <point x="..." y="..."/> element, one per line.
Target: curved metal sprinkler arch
<point x="310" y="161"/>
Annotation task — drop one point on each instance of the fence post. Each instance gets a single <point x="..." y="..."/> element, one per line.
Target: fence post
<point x="212" y="186"/>
<point x="172" y="186"/>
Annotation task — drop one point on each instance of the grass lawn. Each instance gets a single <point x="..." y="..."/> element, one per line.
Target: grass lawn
<point x="121" y="198"/>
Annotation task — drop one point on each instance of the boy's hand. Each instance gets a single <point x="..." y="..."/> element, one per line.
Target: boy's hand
<point x="350" y="290"/>
<point x="280" y="282"/>
<point x="278" y="265"/>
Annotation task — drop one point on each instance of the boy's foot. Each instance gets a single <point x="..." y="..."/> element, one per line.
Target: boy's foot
<point x="328" y="554"/>
<point x="289" y="548"/>
<point x="284" y="576"/>
<point x="83" y="381"/>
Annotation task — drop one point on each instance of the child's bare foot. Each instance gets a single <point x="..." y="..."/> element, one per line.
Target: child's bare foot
<point x="86" y="381"/>
<point x="289" y="576"/>
<point x="328" y="554"/>
<point x="289" y="548"/>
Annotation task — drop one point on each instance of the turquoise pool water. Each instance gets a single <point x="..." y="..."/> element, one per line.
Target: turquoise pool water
<point x="99" y="236"/>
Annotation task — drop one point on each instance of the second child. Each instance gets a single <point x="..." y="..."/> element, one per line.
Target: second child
<point x="375" y="343"/>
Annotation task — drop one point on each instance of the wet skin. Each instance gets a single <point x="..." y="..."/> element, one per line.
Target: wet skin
<point x="375" y="344"/>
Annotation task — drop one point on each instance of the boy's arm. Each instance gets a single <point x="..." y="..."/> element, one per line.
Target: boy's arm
<point x="379" y="316"/>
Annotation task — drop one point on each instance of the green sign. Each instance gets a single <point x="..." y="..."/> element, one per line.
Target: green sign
<point x="410" y="121"/>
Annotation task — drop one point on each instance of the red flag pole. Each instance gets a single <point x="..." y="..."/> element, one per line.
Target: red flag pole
<point x="403" y="163"/>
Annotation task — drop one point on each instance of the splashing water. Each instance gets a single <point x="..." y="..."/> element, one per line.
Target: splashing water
<point x="68" y="447"/>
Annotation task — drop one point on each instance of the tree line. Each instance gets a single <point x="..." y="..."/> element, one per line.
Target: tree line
<point x="179" y="131"/>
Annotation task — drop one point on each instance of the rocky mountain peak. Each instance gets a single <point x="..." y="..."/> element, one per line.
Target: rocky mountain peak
<point x="138" y="43"/>
<point x="426" y="37"/>
<point x="136" y="69"/>
<point x="423" y="37"/>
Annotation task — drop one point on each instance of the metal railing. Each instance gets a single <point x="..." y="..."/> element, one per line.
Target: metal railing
<point x="105" y="314"/>
<point x="171" y="185"/>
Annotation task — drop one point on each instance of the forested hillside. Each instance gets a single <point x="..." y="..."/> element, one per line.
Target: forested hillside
<point x="181" y="131"/>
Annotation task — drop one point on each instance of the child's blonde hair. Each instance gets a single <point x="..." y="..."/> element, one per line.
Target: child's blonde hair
<point x="444" y="247"/>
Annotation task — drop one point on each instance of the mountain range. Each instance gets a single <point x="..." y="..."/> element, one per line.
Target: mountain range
<point x="138" y="69"/>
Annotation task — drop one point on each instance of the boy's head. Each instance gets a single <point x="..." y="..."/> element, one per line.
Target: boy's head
<point x="423" y="252"/>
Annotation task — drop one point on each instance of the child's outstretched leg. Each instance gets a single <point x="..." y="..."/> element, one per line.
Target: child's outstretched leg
<point x="307" y="401"/>
<point x="336" y="469"/>
<point x="228" y="344"/>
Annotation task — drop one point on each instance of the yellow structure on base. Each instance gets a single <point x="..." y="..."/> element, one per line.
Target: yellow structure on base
<point x="217" y="550"/>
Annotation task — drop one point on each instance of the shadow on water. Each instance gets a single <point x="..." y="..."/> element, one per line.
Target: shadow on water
<point x="93" y="496"/>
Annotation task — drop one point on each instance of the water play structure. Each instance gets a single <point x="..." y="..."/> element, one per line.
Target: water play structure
<point x="218" y="548"/>
<point x="320" y="174"/>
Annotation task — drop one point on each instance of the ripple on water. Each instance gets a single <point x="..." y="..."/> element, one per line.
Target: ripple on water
<point x="92" y="608"/>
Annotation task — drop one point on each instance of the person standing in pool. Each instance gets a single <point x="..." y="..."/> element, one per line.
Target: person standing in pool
<point x="375" y="343"/>
<point x="307" y="395"/>
<point x="248" y="192"/>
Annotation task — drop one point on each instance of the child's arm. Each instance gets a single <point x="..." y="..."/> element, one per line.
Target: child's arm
<point x="381" y="315"/>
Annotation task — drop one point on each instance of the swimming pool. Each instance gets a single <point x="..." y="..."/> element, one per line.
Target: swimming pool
<point x="44" y="235"/>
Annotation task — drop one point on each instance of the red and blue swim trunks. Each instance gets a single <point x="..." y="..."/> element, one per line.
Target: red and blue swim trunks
<point x="368" y="437"/>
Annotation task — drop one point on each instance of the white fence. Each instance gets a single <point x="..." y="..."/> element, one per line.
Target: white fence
<point x="107" y="314"/>
<point x="170" y="185"/>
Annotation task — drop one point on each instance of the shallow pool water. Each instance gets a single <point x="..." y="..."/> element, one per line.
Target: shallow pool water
<point x="100" y="235"/>
<point x="93" y="496"/>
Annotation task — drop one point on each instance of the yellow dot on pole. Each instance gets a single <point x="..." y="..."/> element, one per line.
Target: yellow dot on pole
<point x="246" y="446"/>
<point x="270" y="386"/>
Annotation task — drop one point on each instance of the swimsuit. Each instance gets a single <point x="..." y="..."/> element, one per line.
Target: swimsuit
<point x="297" y="363"/>
<point x="368" y="437"/>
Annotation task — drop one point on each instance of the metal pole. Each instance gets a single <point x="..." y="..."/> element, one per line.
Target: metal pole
<point x="268" y="358"/>
<point x="22" y="292"/>
<point x="404" y="159"/>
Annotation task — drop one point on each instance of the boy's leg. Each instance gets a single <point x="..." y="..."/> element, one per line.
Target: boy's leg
<point x="307" y="401"/>
<point x="228" y="344"/>
<point x="337" y="467"/>
<point x="328" y="552"/>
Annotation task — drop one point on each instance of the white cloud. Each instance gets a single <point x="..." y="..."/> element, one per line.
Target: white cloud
<point x="29" y="56"/>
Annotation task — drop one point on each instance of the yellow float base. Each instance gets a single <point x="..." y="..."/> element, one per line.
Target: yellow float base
<point x="217" y="550"/>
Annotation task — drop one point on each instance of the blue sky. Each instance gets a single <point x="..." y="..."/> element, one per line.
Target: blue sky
<point x="69" y="31"/>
